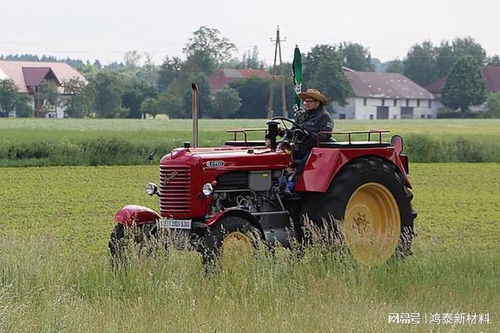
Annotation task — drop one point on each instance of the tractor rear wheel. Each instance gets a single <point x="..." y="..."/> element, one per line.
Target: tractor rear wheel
<point x="230" y="244"/>
<point x="371" y="208"/>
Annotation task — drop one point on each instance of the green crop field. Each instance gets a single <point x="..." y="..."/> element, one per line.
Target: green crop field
<point x="44" y="142"/>
<point x="55" y="274"/>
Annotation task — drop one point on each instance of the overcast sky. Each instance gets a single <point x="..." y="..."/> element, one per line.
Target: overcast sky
<point x="106" y="29"/>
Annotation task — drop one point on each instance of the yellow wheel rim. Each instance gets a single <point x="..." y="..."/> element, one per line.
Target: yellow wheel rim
<point x="372" y="224"/>
<point x="237" y="252"/>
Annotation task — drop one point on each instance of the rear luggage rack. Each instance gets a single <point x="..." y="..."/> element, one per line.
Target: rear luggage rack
<point x="352" y="143"/>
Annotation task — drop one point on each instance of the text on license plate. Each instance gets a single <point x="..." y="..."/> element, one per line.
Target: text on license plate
<point x="174" y="224"/>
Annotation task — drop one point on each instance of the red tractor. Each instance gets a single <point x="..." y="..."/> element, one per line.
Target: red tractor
<point x="231" y="195"/>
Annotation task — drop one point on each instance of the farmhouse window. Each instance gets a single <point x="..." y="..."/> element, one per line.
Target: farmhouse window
<point x="395" y="103"/>
<point x="365" y="101"/>
<point x="407" y="102"/>
<point x="418" y="102"/>
<point x="382" y="112"/>
<point x="429" y="103"/>
<point x="383" y="101"/>
<point x="406" y="112"/>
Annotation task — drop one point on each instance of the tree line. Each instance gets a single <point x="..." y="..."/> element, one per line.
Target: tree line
<point x="137" y="87"/>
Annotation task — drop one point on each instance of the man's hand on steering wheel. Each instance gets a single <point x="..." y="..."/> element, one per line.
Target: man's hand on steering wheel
<point x="296" y="134"/>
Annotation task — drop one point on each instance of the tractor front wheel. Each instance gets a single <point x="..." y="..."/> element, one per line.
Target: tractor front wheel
<point x="230" y="244"/>
<point x="122" y="240"/>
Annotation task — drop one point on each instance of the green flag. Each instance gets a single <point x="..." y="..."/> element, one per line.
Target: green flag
<point x="297" y="80"/>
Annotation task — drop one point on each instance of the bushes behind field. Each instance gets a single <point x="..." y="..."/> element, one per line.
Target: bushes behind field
<point x="115" y="151"/>
<point x="94" y="151"/>
<point x="422" y="148"/>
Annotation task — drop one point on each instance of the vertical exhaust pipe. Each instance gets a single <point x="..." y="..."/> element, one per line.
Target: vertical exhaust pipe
<point x="194" y="108"/>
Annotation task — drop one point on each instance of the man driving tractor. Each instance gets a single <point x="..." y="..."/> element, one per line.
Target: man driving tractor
<point x="314" y="120"/>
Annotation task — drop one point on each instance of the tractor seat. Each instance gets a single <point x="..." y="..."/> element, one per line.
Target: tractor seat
<point x="353" y="144"/>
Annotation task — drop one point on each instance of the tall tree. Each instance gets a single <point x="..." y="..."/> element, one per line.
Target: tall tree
<point x="356" y="56"/>
<point x="330" y="79"/>
<point x="8" y="96"/>
<point x="209" y="41"/>
<point x="134" y="94"/>
<point x="448" y="53"/>
<point x="109" y="87"/>
<point x="468" y="46"/>
<point x="89" y="71"/>
<point x="493" y="105"/>
<point x="493" y="61"/>
<point x="420" y="63"/>
<point x="314" y="57"/>
<point x="445" y="59"/>
<point x="131" y="59"/>
<point x="78" y="99"/>
<point x="153" y="106"/>
<point x="23" y="109"/>
<point x="394" y="66"/>
<point x="254" y="94"/>
<point x="48" y="95"/>
<point x="225" y="103"/>
<point x="465" y="85"/>
<point x="169" y="70"/>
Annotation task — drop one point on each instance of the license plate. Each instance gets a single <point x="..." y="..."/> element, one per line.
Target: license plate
<point x="174" y="224"/>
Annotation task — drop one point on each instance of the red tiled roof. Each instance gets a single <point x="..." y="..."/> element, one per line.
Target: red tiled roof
<point x="437" y="86"/>
<point x="223" y="76"/>
<point x="385" y="85"/>
<point x="245" y="73"/>
<point x="34" y="75"/>
<point x="491" y="75"/>
<point x="14" y="70"/>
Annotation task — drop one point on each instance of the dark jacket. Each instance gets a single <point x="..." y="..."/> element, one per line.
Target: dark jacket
<point x="314" y="121"/>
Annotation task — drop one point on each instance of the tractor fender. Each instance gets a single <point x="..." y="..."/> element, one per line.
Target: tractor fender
<point x="239" y="213"/>
<point x="131" y="215"/>
<point x="323" y="165"/>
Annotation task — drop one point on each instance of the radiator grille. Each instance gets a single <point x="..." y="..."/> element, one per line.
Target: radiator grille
<point x="175" y="189"/>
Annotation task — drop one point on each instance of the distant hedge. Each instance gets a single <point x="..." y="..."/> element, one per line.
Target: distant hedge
<point x="114" y="151"/>
<point x="422" y="148"/>
<point x="95" y="151"/>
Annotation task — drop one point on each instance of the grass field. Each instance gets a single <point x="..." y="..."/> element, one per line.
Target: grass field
<point x="55" y="274"/>
<point x="149" y="130"/>
<point x="43" y="142"/>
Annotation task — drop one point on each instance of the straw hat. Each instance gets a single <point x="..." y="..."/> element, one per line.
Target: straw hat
<point x="314" y="94"/>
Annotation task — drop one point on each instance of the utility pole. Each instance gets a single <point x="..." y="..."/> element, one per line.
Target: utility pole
<point x="277" y="49"/>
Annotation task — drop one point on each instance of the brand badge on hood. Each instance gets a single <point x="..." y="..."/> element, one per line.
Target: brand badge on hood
<point x="215" y="164"/>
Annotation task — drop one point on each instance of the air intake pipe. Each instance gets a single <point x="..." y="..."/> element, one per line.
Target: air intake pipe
<point x="194" y="109"/>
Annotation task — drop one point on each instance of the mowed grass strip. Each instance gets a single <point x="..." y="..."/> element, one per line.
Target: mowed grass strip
<point x="146" y="131"/>
<point x="55" y="274"/>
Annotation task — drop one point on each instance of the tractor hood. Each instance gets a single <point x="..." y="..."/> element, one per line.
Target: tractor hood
<point x="228" y="158"/>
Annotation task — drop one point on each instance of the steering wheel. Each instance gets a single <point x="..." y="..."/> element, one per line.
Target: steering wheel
<point x="297" y="135"/>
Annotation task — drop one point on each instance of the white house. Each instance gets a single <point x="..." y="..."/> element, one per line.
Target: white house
<point x="28" y="75"/>
<point x="385" y="96"/>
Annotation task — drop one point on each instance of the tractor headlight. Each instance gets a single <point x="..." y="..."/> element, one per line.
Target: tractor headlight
<point x="151" y="189"/>
<point x="207" y="189"/>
